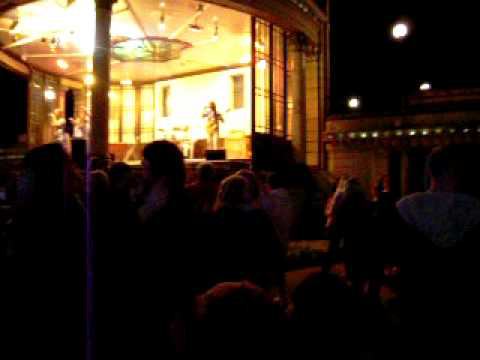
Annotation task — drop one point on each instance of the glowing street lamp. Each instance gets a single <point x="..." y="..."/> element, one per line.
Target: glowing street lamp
<point x="425" y="86"/>
<point x="400" y="30"/>
<point x="354" y="103"/>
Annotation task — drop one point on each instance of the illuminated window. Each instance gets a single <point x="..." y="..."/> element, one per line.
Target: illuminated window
<point x="165" y="101"/>
<point x="238" y="91"/>
<point x="278" y="91"/>
<point x="147" y="120"/>
<point x="128" y="116"/>
<point x="270" y="78"/>
<point x="115" y="115"/>
<point x="262" y="76"/>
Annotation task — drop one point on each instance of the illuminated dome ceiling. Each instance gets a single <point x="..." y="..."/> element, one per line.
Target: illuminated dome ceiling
<point x="151" y="39"/>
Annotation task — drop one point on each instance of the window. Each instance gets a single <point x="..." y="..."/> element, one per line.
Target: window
<point x="128" y="116"/>
<point x="238" y="91"/>
<point x="165" y="101"/>
<point x="115" y="115"/>
<point x="278" y="91"/>
<point x="270" y="78"/>
<point x="262" y="76"/>
<point x="147" y="120"/>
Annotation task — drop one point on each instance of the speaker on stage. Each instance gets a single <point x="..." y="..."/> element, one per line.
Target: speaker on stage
<point x="79" y="152"/>
<point x="215" y="154"/>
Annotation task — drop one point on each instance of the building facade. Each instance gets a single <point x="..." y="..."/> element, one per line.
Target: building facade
<point x="397" y="145"/>
<point x="271" y="86"/>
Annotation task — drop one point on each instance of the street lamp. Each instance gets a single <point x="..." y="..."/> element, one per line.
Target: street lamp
<point x="353" y="102"/>
<point x="425" y="86"/>
<point x="400" y="30"/>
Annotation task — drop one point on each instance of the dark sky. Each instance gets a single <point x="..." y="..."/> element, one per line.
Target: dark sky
<point x="443" y="48"/>
<point x="13" y="102"/>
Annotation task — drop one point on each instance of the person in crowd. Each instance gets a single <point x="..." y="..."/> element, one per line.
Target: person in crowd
<point x="164" y="252"/>
<point x="47" y="274"/>
<point x="307" y="203"/>
<point x="385" y="219"/>
<point x="253" y="192"/>
<point x="244" y="244"/>
<point x="351" y="230"/>
<point x="204" y="191"/>
<point x="281" y="211"/>
<point x="238" y="318"/>
<point x="439" y="248"/>
<point x="326" y="319"/>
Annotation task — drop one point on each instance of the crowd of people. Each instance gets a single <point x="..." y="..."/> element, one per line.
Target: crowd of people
<point x="200" y="267"/>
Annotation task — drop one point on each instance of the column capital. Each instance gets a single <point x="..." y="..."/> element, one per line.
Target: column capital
<point x="298" y="41"/>
<point x="104" y="4"/>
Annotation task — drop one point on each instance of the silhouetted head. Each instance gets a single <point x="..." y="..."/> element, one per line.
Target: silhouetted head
<point x="237" y="318"/>
<point x="48" y="172"/>
<point x="206" y="172"/>
<point x="163" y="160"/>
<point x="276" y="181"/>
<point x="120" y="176"/>
<point x="455" y="168"/>
<point x="233" y="193"/>
<point x="212" y="106"/>
<point x="322" y="296"/>
<point x="323" y="308"/>
<point x="253" y="189"/>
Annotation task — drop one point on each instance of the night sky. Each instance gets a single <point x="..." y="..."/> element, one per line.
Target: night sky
<point x="13" y="102"/>
<point x="443" y="49"/>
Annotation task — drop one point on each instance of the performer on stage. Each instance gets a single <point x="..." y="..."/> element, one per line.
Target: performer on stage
<point x="59" y="127"/>
<point x="82" y="124"/>
<point x="213" y="125"/>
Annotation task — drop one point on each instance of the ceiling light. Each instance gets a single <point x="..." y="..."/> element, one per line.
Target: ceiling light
<point x="126" y="82"/>
<point x="89" y="65"/>
<point x="161" y="25"/>
<point x="215" y="33"/>
<point x="89" y="79"/>
<point x="50" y="94"/>
<point x="62" y="64"/>
<point x="262" y="64"/>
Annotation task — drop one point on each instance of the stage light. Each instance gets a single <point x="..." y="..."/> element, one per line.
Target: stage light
<point x="50" y="94"/>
